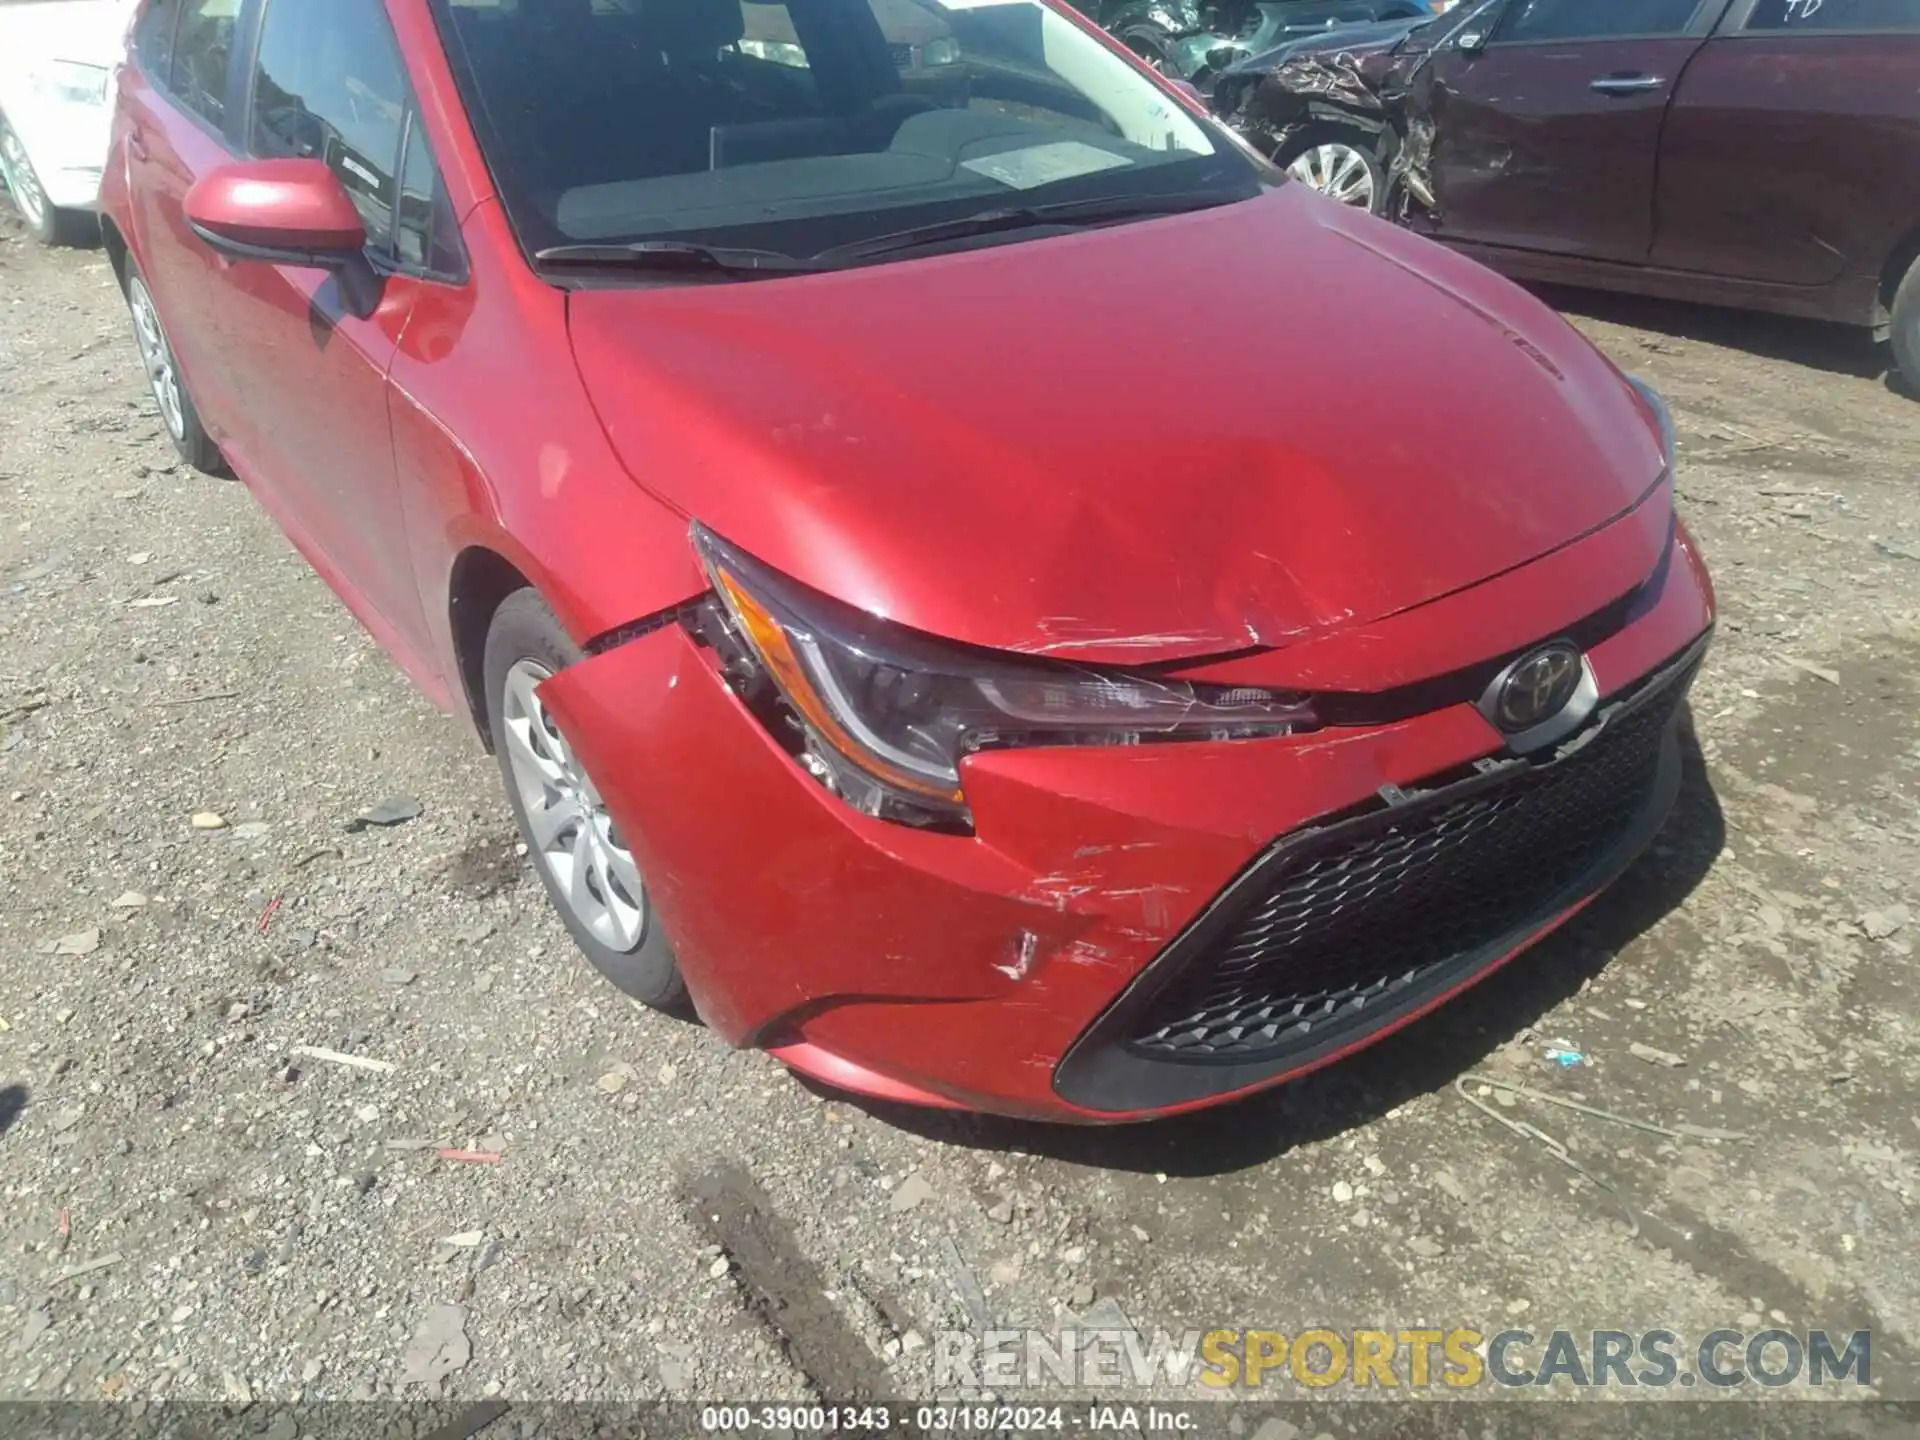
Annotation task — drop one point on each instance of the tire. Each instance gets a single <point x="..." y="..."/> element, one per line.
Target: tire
<point x="45" y="222"/>
<point x="613" y="921"/>
<point x="170" y="395"/>
<point x="1342" y="164"/>
<point x="1905" y="330"/>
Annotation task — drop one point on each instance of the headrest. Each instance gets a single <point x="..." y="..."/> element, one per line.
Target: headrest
<point x="683" y="27"/>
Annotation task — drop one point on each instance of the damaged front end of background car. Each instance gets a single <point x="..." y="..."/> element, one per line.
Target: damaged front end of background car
<point x="1197" y="41"/>
<point x="1350" y="113"/>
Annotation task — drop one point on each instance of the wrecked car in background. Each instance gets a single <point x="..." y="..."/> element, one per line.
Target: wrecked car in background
<point x="1196" y="39"/>
<point x="1760" y="154"/>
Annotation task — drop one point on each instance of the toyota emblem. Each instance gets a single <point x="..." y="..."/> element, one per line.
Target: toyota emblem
<point x="1537" y="687"/>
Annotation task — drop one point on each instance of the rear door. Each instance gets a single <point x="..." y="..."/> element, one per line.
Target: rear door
<point x="1548" y="136"/>
<point x="176" y="104"/>
<point x="1792" y="153"/>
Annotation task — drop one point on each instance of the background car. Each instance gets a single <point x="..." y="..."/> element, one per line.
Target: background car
<point x="1196" y="39"/>
<point x="1763" y="154"/>
<point x="56" y="59"/>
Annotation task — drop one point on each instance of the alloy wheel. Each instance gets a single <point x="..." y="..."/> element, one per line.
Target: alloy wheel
<point x="157" y="356"/>
<point x="573" y="838"/>
<point x="22" y="183"/>
<point x="1337" y="171"/>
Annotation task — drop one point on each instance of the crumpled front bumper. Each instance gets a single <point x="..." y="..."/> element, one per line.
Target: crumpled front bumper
<point x="961" y="971"/>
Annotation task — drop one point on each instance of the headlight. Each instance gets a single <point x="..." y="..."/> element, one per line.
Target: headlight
<point x="883" y="715"/>
<point x="72" y="83"/>
<point x="944" y="51"/>
<point x="1669" y="440"/>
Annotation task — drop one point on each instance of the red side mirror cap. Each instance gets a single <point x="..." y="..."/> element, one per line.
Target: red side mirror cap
<point x="287" y="212"/>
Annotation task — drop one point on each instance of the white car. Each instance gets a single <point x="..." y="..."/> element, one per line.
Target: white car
<point x="57" y="59"/>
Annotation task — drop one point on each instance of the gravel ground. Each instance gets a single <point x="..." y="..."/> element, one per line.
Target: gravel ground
<point x="190" y="1206"/>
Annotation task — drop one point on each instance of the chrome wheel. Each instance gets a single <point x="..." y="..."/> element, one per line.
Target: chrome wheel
<point x="22" y="183"/>
<point x="157" y="356"/>
<point x="571" y="834"/>
<point x="1337" y="171"/>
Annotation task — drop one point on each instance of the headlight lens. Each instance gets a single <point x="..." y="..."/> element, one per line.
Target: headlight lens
<point x="72" y="83"/>
<point x="941" y="51"/>
<point x="885" y="714"/>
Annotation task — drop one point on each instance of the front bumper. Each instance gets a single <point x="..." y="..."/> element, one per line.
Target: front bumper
<point x="1001" y="972"/>
<point x="68" y="146"/>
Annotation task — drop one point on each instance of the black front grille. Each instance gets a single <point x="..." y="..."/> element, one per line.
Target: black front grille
<point x="901" y="55"/>
<point x="1356" y="920"/>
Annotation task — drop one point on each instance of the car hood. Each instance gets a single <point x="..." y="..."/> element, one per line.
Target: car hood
<point x="1158" y="440"/>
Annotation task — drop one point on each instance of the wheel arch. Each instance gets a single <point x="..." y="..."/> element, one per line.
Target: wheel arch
<point x="115" y="244"/>
<point x="480" y="580"/>
<point x="1899" y="261"/>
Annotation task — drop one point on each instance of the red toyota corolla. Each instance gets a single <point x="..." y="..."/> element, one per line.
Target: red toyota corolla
<point x="913" y="507"/>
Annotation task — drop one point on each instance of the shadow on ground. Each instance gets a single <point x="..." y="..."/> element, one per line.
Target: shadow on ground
<point x="1423" y="1058"/>
<point x="13" y="1101"/>
<point x="1819" y="344"/>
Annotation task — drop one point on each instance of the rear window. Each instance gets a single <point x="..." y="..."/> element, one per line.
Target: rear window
<point x="203" y="56"/>
<point x="1836" y="15"/>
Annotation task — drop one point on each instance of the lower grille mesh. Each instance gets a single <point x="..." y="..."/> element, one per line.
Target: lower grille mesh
<point x="1350" y="924"/>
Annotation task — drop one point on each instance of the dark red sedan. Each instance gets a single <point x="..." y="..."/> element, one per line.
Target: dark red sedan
<point x="1763" y="154"/>
<point x="904" y="634"/>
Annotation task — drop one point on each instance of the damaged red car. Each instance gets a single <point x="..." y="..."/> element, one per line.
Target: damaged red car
<point x="905" y="637"/>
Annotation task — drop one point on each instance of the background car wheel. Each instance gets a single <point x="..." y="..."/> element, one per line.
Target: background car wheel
<point x="1906" y="329"/>
<point x="1340" y="164"/>
<point x="48" y="225"/>
<point x="1151" y="46"/>
<point x="576" y="847"/>
<point x="189" y="436"/>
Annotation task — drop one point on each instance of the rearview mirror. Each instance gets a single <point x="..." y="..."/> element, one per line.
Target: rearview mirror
<point x="282" y="212"/>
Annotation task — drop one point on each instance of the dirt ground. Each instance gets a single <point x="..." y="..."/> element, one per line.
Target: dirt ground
<point x="188" y="1207"/>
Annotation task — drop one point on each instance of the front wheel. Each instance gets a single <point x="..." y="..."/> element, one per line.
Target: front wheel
<point x="1905" y="333"/>
<point x="584" y="861"/>
<point x="1340" y="164"/>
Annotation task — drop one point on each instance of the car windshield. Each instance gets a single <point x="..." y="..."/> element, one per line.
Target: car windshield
<point x="811" y="125"/>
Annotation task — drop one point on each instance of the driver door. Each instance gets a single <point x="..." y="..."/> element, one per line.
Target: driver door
<point x="1548" y="125"/>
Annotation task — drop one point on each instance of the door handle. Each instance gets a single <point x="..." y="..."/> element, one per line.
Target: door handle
<point x="136" y="145"/>
<point x="1626" y="84"/>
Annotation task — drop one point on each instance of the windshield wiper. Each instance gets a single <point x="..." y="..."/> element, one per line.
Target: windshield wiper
<point x="1026" y="217"/>
<point x="679" y="255"/>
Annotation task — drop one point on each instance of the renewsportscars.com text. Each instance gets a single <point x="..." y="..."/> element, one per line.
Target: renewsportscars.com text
<point x="1416" y="1359"/>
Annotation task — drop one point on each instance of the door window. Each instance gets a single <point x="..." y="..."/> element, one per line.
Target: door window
<point x="329" y="86"/>
<point x="1836" y="15"/>
<point x="424" y="234"/>
<point x="1594" y="19"/>
<point x="153" y="41"/>
<point x="202" y="54"/>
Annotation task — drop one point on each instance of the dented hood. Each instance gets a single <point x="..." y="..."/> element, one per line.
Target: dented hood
<point x="1159" y="440"/>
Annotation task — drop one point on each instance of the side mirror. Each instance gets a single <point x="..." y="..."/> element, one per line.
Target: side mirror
<point x="282" y="212"/>
<point x="1471" y="42"/>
